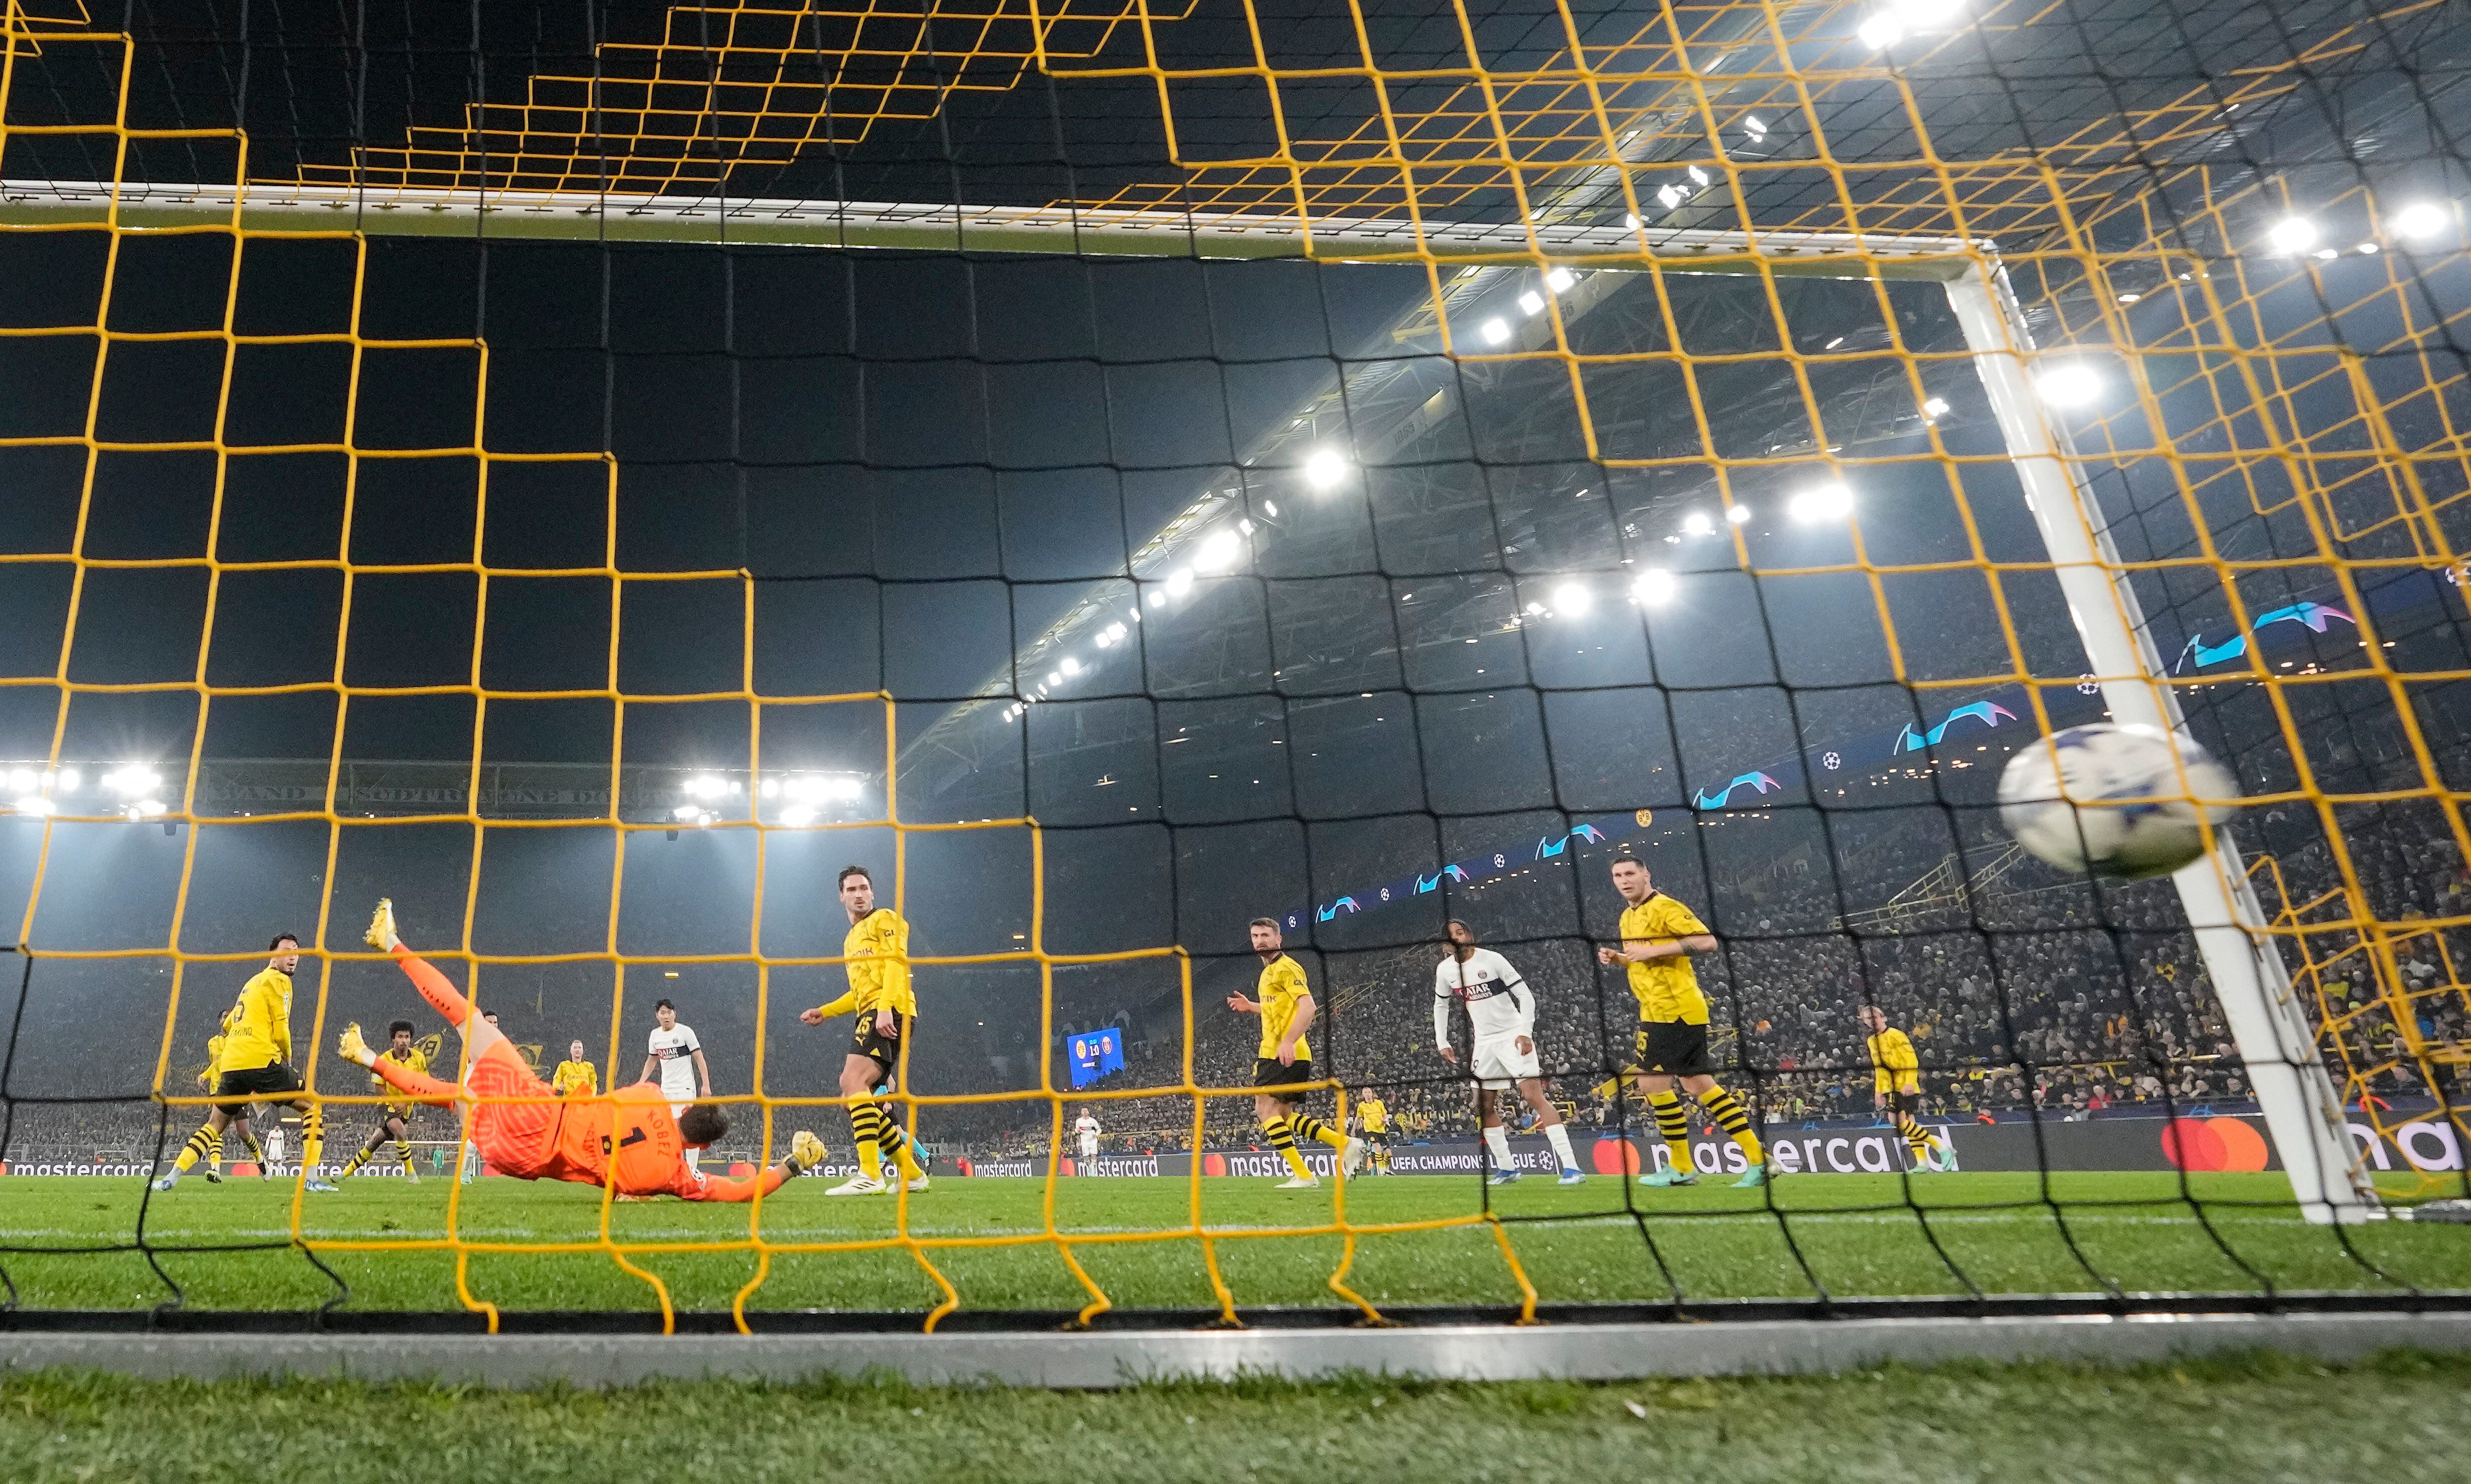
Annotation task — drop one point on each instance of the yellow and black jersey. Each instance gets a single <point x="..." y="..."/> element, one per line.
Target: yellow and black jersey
<point x="575" y="1080"/>
<point x="1667" y="988"/>
<point x="258" y="1031"/>
<point x="1372" y="1116"/>
<point x="877" y="950"/>
<point x="410" y="1059"/>
<point x="1894" y="1067"/>
<point x="1283" y="984"/>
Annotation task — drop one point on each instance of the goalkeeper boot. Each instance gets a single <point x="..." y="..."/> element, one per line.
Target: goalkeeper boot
<point x="381" y="934"/>
<point x="353" y="1049"/>
<point x="1752" y="1178"/>
<point x="858" y="1185"/>
<point x="1670" y="1176"/>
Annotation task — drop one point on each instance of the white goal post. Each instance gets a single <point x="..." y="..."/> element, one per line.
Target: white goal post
<point x="2302" y="1109"/>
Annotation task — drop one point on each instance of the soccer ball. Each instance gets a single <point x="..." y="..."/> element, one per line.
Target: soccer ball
<point x="2131" y="818"/>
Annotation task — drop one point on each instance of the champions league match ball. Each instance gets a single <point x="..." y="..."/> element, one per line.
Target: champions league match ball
<point x="2131" y="818"/>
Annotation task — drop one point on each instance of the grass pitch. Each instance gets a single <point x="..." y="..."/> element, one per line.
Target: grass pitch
<point x="2397" y="1420"/>
<point x="247" y="1245"/>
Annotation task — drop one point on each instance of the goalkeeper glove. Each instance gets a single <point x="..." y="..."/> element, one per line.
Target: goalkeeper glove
<point x="806" y="1151"/>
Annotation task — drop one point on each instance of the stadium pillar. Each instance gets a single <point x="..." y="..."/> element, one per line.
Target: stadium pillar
<point x="2302" y="1111"/>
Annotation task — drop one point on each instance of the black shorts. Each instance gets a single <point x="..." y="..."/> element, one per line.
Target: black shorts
<point x="1905" y="1102"/>
<point x="1673" y="1047"/>
<point x="885" y="1050"/>
<point x="1378" y="1138"/>
<point x="1272" y="1078"/>
<point x="257" y="1082"/>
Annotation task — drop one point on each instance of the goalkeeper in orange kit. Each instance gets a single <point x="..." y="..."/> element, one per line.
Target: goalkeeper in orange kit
<point x="627" y="1140"/>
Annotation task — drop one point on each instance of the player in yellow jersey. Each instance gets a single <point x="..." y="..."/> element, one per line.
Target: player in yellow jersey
<point x="1897" y="1083"/>
<point x="394" y="1119"/>
<point x="1373" y="1120"/>
<point x="877" y="954"/>
<point x="206" y="1137"/>
<point x="1659" y="935"/>
<point x="256" y="1064"/>
<point x="1285" y="1003"/>
<point x="574" y="1076"/>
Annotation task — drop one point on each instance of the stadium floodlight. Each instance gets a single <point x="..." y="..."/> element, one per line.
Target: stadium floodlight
<point x="1828" y="502"/>
<point x="1698" y="524"/>
<point x="1880" y="31"/>
<point x="132" y="778"/>
<point x="1324" y="469"/>
<point x="1103" y="639"/>
<point x="772" y="789"/>
<point x="685" y="812"/>
<point x="1156" y="599"/>
<point x="1738" y="514"/>
<point x="1653" y="588"/>
<point x="1532" y="301"/>
<point x="845" y="789"/>
<point x="143" y="809"/>
<point x="1752" y="126"/>
<point x="1934" y="409"/>
<point x="797" y="815"/>
<point x="1572" y="599"/>
<point x="1928" y="12"/>
<point x="2420" y="221"/>
<point x="1630" y="220"/>
<point x="1560" y="280"/>
<point x="1055" y="677"/>
<point x="1270" y="507"/>
<point x="1496" y="331"/>
<point x="1219" y="552"/>
<point x="22" y="780"/>
<point x="2292" y="236"/>
<point x="32" y="804"/>
<point x="1697" y="176"/>
<point x="1670" y="196"/>
<point x="1179" y="581"/>
<point x="1244" y="525"/>
<point x="2068" y="384"/>
<point x="1069" y="665"/>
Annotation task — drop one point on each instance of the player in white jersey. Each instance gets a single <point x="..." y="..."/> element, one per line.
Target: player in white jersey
<point x="1502" y="1009"/>
<point x="1085" y="1136"/>
<point x="685" y="1076"/>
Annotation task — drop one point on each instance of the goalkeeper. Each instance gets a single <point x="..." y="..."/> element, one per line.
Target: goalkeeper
<point x="627" y="1140"/>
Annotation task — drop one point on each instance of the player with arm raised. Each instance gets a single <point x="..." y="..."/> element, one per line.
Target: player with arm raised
<point x="629" y="1140"/>
<point x="1084" y="1139"/>
<point x="1501" y="1008"/>
<point x="256" y="1062"/>
<point x="877" y="954"/>
<point x="1897" y="1083"/>
<point x="1659" y="935"/>
<point x="1284" y="1060"/>
<point x="394" y="1119"/>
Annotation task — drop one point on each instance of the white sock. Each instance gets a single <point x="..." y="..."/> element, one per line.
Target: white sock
<point x="1559" y="1137"/>
<point x="1497" y="1140"/>
<point x="694" y="1158"/>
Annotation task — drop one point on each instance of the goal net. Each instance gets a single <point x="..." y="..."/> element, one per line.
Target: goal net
<point x="1158" y="489"/>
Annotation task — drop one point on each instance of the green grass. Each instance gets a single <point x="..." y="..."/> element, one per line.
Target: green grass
<point x="2395" y="1420"/>
<point x="1855" y="1233"/>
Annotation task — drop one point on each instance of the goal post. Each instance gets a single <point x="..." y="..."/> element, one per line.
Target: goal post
<point x="2301" y="1107"/>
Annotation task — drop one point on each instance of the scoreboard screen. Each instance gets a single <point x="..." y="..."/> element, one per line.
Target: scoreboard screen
<point x="1096" y="1053"/>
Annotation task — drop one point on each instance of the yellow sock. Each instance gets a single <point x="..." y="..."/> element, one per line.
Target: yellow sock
<point x="313" y="1138"/>
<point x="191" y="1152"/>
<point x="1735" y="1122"/>
<point x="1672" y="1126"/>
<point x="1304" y="1125"/>
<point x="215" y="1152"/>
<point x="1283" y="1140"/>
<point x="866" y="1125"/>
